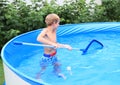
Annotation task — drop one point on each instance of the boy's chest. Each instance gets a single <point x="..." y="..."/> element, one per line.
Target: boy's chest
<point x="51" y="36"/>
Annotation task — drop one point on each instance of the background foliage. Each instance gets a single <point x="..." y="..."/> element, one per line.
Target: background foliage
<point x="18" y="17"/>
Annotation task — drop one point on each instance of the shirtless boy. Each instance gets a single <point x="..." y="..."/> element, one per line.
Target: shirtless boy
<point x="48" y="37"/>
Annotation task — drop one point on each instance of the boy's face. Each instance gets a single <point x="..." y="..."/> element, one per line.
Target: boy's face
<point x="56" y="25"/>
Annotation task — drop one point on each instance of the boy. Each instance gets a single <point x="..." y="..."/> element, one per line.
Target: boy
<point x="48" y="36"/>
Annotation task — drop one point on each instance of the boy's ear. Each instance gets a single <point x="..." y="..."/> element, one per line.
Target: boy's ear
<point x="54" y="22"/>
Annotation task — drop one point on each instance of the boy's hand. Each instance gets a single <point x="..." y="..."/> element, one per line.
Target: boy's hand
<point x="57" y="45"/>
<point x="68" y="47"/>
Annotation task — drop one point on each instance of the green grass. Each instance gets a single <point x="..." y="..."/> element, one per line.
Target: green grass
<point x="1" y="73"/>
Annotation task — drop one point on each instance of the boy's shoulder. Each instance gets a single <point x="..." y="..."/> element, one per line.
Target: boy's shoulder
<point x="44" y="31"/>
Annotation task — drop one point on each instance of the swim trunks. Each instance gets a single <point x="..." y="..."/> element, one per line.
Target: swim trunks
<point x="48" y="59"/>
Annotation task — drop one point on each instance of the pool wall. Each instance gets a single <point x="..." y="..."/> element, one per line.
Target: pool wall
<point x="12" y="55"/>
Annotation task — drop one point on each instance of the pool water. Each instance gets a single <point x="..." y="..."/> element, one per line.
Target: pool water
<point x="99" y="67"/>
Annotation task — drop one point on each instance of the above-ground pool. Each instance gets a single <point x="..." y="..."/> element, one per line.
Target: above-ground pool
<point x="96" y="67"/>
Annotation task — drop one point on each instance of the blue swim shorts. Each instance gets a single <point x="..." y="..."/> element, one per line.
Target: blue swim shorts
<point x="47" y="59"/>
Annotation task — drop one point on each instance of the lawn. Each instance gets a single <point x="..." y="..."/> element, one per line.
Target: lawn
<point x="1" y="73"/>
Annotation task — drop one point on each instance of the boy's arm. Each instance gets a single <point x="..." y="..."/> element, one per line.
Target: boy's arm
<point x="64" y="46"/>
<point x="41" y="38"/>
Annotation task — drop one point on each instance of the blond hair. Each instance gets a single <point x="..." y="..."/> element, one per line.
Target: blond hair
<point x="51" y="18"/>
